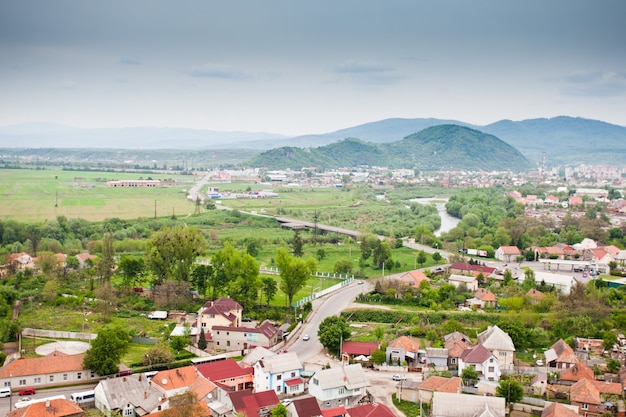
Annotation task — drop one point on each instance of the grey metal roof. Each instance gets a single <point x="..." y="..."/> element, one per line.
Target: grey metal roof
<point x="133" y="389"/>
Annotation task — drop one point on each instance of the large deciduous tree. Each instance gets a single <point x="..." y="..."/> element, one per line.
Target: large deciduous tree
<point x="171" y="252"/>
<point x="239" y="272"/>
<point x="106" y="350"/>
<point x="332" y="332"/>
<point x="294" y="272"/>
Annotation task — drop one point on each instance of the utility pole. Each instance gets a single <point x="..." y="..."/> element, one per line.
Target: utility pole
<point x="155" y="209"/>
<point x="315" y="218"/>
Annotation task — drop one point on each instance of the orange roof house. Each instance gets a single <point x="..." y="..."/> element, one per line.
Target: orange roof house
<point x="576" y="373"/>
<point x="228" y="374"/>
<point x="586" y="396"/>
<point x="414" y="278"/>
<point x="558" y="410"/>
<point x="438" y="384"/>
<point x="535" y="295"/>
<point x="561" y="355"/>
<point x="51" y="408"/>
<point x="54" y="368"/>
<point x="507" y="253"/>
<point x="402" y="349"/>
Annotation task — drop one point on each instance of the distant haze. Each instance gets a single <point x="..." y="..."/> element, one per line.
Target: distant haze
<point x="300" y="68"/>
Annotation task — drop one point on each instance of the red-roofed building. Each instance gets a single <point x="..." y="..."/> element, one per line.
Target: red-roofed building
<point x="507" y="253"/>
<point x="561" y="355"/>
<point x="437" y="383"/>
<point x="84" y="257"/>
<point x="353" y="349"/>
<point x="414" y="278"/>
<point x="55" y="368"/>
<point x="305" y="407"/>
<point x="51" y="408"/>
<point x="575" y="373"/>
<point x="221" y="312"/>
<point x="228" y="374"/>
<point x="483" y="361"/>
<point x="402" y="349"/>
<point x="242" y="338"/>
<point x="464" y="268"/>
<point x="334" y="412"/>
<point x="558" y="410"/>
<point x="586" y="396"/>
<point x="483" y="298"/>
<point x="253" y="404"/>
<point x="370" y="410"/>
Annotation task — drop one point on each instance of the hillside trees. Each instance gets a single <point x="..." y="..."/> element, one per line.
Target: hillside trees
<point x="106" y="350"/>
<point x="171" y="252"/>
<point x="238" y="272"/>
<point x="332" y="331"/>
<point x="294" y="272"/>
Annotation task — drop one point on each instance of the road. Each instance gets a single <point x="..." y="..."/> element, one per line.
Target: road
<point x="44" y="393"/>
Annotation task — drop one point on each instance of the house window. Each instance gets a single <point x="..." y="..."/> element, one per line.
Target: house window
<point x="37" y="380"/>
<point x="341" y="391"/>
<point x="51" y="379"/>
<point x="218" y="343"/>
<point x="22" y="382"/>
<point x="584" y="406"/>
<point x="228" y="343"/>
<point x="491" y="360"/>
<point x="64" y="377"/>
<point x="92" y="374"/>
<point x="211" y="316"/>
<point x="294" y="388"/>
<point x="453" y="361"/>
<point x="279" y="377"/>
<point x="315" y="381"/>
<point x="79" y="375"/>
<point x="128" y="412"/>
<point x="203" y="324"/>
<point x="491" y="369"/>
<point x="502" y="353"/>
<point x="7" y="384"/>
<point x="293" y="374"/>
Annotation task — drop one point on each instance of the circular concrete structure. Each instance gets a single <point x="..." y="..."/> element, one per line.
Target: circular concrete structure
<point x="69" y="348"/>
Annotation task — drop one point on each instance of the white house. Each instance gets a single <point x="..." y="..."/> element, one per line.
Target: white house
<point x="471" y="283"/>
<point x="498" y="342"/>
<point x="280" y="373"/>
<point x="562" y="283"/>
<point x="507" y="253"/>
<point x="447" y="404"/>
<point x="483" y="362"/>
<point x="343" y="385"/>
<point x="128" y="396"/>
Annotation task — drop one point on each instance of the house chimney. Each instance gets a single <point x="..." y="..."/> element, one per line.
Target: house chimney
<point x="124" y="379"/>
<point x="47" y="403"/>
<point x="145" y="395"/>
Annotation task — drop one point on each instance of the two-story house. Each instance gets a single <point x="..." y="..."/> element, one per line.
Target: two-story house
<point x="221" y="312"/>
<point x="280" y="373"/>
<point x="342" y="385"/>
<point x="483" y="361"/>
<point x="243" y="338"/>
<point x="128" y="396"/>
<point x="228" y="374"/>
<point x="498" y="342"/>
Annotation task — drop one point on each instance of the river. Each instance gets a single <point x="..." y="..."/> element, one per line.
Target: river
<point x="447" y="222"/>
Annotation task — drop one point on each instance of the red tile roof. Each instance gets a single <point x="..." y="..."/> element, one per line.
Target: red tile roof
<point x="334" y="412"/>
<point x="249" y="403"/>
<point x="307" y="407"/>
<point x="359" y="348"/>
<point x="221" y="370"/>
<point x="477" y="354"/>
<point x="294" y="381"/>
<point x="577" y="372"/>
<point x="53" y="363"/>
<point x="558" y="410"/>
<point x="441" y="384"/>
<point x="584" y="392"/>
<point x="370" y="410"/>
<point x="57" y="408"/>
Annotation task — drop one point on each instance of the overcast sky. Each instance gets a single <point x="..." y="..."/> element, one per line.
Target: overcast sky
<point x="297" y="67"/>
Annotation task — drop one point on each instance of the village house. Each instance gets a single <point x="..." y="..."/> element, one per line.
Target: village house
<point x="172" y="382"/>
<point x="483" y="298"/>
<point x="447" y="404"/>
<point x="499" y="343"/>
<point x="353" y="350"/>
<point x="304" y="407"/>
<point x="414" y="278"/>
<point x="367" y="410"/>
<point x="227" y="338"/>
<point x="430" y="385"/>
<point x="587" y="397"/>
<point x="507" y="253"/>
<point x="562" y="283"/>
<point x="575" y="373"/>
<point x="224" y="312"/>
<point x="464" y="268"/>
<point x="253" y="404"/>
<point x="403" y="349"/>
<point x="342" y="385"/>
<point x="470" y="283"/>
<point x="280" y="373"/>
<point x="130" y="395"/>
<point x="56" y="368"/>
<point x="58" y="407"/>
<point x="560" y="410"/>
<point x="560" y="355"/>
<point x="535" y="296"/>
<point x="436" y="358"/>
<point x="228" y="374"/>
<point x="483" y="361"/>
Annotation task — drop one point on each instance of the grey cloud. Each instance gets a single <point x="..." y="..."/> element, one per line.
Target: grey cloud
<point x="223" y="72"/>
<point x="594" y="84"/>
<point x="368" y="73"/>
<point x="126" y="61"/>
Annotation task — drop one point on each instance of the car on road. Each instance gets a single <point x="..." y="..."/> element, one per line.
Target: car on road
<point x="398" y="377"/>
<point x="246" y="320"/>
<point x="285" y="402"/>
<point x="27" y="391"/>
<point x="306" y="337"/>
<point x="539" y="362"/>
<point x="360" y="282"/>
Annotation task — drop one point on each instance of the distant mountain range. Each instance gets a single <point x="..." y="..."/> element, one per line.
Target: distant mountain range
<point x="563" y="140"/>
<point x="441" y="147"/>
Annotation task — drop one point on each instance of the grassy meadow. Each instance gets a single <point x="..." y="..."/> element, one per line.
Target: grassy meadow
<point x="35" y="195"/>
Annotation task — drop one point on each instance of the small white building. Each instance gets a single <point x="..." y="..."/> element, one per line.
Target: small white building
<point x="280" y="373"/>
<point x="562" y="283"/>
<point x="471" y="283"/>
<point x="343" y="385"/>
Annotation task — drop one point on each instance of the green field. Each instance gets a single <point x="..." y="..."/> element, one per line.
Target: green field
<point x="35" y="195"/>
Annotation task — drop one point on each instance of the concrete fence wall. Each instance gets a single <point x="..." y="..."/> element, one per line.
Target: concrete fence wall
<point x="55" y="334"/>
